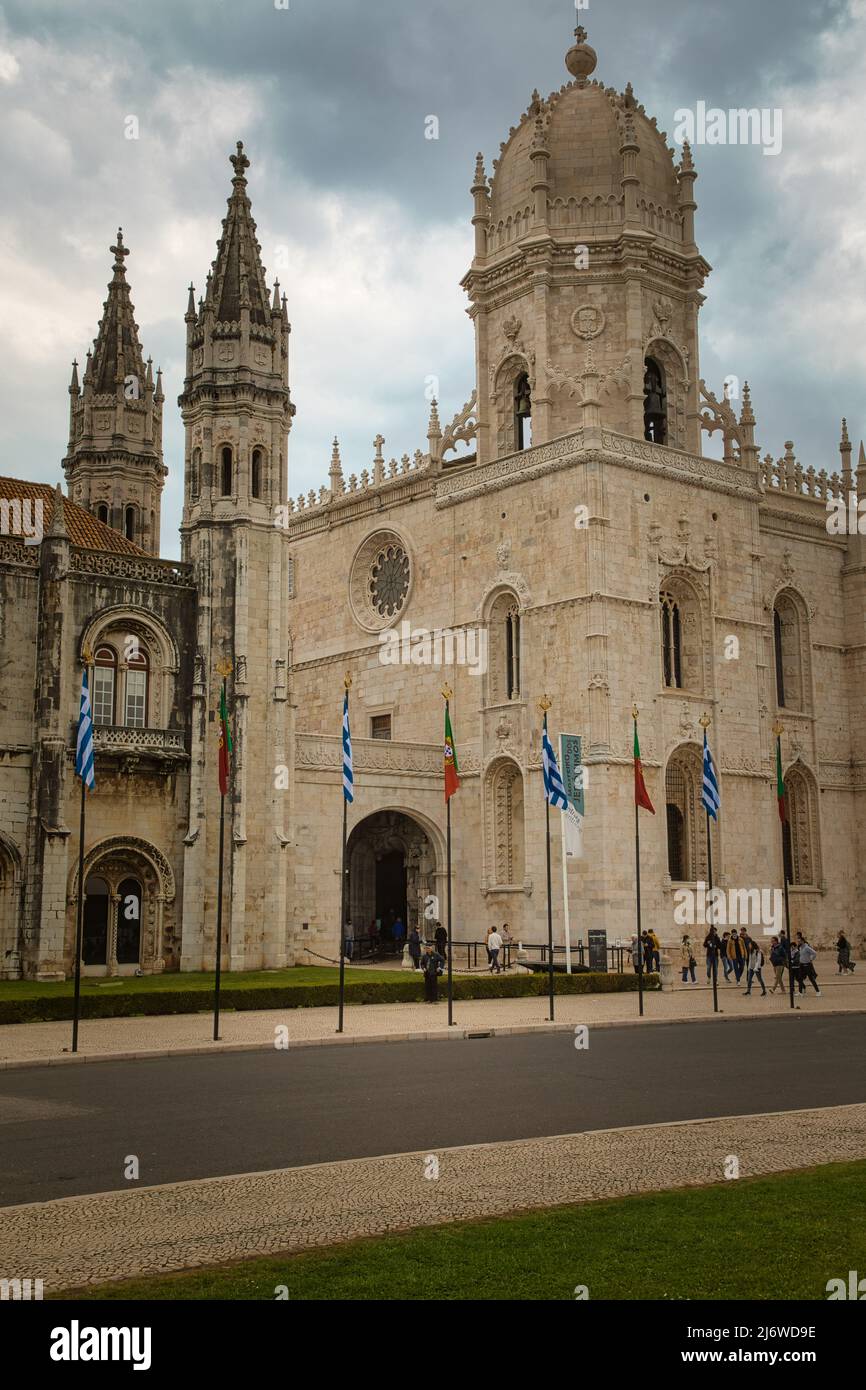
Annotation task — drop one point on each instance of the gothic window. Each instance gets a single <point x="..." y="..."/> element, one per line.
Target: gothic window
<point x="655" y="409"/>
<point x="672" y="642"/>
<point x="505" y="825"/>
<point x="129" y="523"/>
<point x="681" y="636"/>
<point x="102" y="513"/>
<point x="788" y="650"/>
<point x="138" y="670"/>
<point x="522" y="413"/>
<point x="380" y="726"/>
<point x="504" y="650"/>
<point x="389" y="580"/>
<point x="104" y="685"/>
<point x="226" y="471"/>
<point x="686" y="820"/>
<point x="195" y="474"/>
<point x="799" y="834"/>
<point x="256" y="473"/>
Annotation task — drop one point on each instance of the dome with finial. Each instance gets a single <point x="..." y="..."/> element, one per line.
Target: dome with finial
<point x="579" y="132"/>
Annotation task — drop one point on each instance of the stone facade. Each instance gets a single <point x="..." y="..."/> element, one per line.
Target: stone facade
<point x="564" y="536"/>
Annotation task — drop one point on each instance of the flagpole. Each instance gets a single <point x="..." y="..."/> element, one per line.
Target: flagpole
<point x="447" y="693"/>
<point x="79" y="920"/>
<point x="705" y="722"/>
<point x="565" y="901"/>
<point x="347" y="681"/>
<point x="223" y="668"/>
<point x="544" y="705"/>
<point x="637" y="887"/>
<point x="778" y="730"/>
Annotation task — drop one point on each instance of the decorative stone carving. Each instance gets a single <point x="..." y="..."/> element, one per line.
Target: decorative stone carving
<point x="587" y="321"/>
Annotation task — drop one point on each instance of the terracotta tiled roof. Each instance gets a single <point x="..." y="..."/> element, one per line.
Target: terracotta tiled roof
<point x="84" y="530"/>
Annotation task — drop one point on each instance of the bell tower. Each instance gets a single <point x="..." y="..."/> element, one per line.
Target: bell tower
<point x="237" y="414"/>
<point x="586" y="281"/>
<point x="113" y="464"/>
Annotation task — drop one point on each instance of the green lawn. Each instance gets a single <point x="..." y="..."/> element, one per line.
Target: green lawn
<point x="764" y="1238"/>
<point x="145" y="984"/>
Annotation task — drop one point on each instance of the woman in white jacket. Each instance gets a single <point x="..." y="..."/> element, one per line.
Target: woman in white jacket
<point x="687" y="960"/>
<point x="756" y="965"/>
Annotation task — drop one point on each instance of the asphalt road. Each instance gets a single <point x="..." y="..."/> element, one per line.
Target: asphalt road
<point x="69" y="1130"/>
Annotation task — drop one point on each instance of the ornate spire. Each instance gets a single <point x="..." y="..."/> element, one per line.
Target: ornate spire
<point x="238" y="277"/>
<point x="335" y="472"/>
<point x="116" y="349"/>
<point x="58" y="518"/>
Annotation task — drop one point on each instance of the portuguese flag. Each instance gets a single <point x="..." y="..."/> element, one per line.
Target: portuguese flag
<point x="452" y="781"/>
<point x="641" y="795"/>
<point x="225" y="743"/>
<point x="780" y="781"/>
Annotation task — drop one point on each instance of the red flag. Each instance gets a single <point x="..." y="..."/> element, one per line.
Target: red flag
<point x="452" y="781"/>
<point x="641" y="795"/>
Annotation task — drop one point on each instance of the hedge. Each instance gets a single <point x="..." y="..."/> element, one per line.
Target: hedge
<point x="400" y="991"/>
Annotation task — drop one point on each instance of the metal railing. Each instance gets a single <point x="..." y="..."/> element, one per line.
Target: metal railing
<point x="469" y="955"/>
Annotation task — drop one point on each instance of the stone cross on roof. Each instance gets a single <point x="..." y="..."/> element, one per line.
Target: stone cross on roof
<point x="119" y="251"/>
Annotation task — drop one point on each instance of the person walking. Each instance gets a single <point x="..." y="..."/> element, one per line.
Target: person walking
<point x="348" y="939"/>
<point x="490" y="931"/>
<point x="735" y="956"/>
<point x="655" y="950"/>
<point x="712" y="947"/>
<point x="635" y="954"/>
<point x="494" y="946"/>
<point x="843" y="955"/>
<point x="647" y="952"/>
<point x="807" y="963"/>
<point x="778" y="960"/>
<point x="687" y="961"/>
<point x="432" y="964"/>
<point x="398" y="934"/>
<point x="727" y="966"/>
<point x="756" y="965"/>
<point x="440" y="936"/>
<point x="415" y="948"/>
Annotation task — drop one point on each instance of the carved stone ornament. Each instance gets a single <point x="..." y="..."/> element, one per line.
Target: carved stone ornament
<point x="588" y="321"/>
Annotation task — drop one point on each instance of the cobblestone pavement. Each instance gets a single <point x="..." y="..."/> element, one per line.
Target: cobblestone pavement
<point x="89" y="1240"/>
<point x="24" y="1042"/>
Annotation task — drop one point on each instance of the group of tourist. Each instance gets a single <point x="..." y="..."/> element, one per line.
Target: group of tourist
<point x="738" y="954"/>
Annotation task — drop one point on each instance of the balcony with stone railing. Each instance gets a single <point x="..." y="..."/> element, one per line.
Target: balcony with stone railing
<point x="117" y="741"/>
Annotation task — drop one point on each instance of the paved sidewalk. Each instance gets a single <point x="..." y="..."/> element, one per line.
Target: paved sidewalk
<point x="117" y="1235"/>
<point x="99" y="1039"/>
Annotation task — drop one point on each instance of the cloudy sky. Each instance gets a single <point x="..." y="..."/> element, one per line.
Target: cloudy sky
<point x="370" y="219"/>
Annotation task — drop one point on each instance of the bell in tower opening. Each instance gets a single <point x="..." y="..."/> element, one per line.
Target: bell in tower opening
<point x="655" y="411"/>
<point x="522" y="412"/>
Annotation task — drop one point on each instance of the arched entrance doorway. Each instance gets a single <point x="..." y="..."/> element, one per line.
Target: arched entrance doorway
<point x="10" y="952"/>
<point x="127" y="921"/>
<point x="392" y="865"/>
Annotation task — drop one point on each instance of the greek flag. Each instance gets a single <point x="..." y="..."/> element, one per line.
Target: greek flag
<point x="348" y="775"/>
<point x="84" y="745"/>
<point x="710" y="799"/>
<point x="554" y="789"/>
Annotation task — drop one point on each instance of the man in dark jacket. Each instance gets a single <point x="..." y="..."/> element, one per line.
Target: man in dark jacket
<point x="440" y="936"/>
<point x="432" y="964"/>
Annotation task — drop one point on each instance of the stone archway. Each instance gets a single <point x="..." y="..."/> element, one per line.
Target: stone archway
<point x="129" y="893"/>
<point x="392" y="864"/>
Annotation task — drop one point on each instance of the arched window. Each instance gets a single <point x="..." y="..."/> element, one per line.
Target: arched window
<point x="686" y="828"/>
<point x="256" y="473"/>
<point x="655" y="407"/>
<point x="226" y="471"/>
<point x="503" y="680"/>
<point x="522" y="413"/>
<point x="195" y="474"/>
<point x="129" y="523"/>
<point x="505" y="834"/>
<point x="137" y="672"/>
<point x="789" y="652"/>
<point x="672" y="641"/>
<point x="104" y="685"/>
<point x="800" y="830"/>
<point x="129" y="922"/>
<point x="102" y="513"/>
